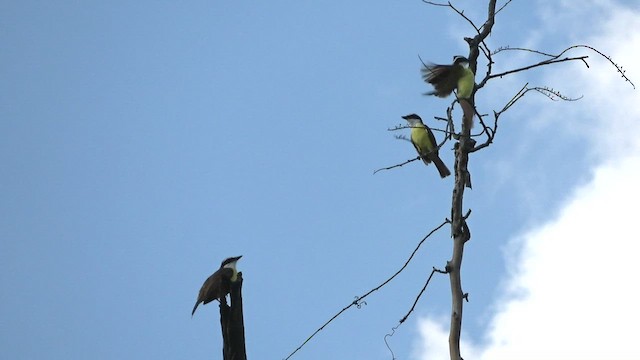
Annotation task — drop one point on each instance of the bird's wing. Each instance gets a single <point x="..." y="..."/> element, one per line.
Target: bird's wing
<point x="210" y="288"/>
<point x="432" y="138"/>
<point x="441" y="77"/>
<point x="433" y="73"/>
<point x="226" y="273"/>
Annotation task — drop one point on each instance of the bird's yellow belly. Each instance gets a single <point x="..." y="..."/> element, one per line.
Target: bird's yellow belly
<point x="420" y="137"/>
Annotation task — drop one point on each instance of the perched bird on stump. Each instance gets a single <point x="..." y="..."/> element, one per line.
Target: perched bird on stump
<point x="425" y="143"/>
<point x="446" y="78"/>
<point x="218" y="285"/>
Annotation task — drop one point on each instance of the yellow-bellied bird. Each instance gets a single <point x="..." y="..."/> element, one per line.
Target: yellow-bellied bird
<point x="446" y="78"/>
<point x="218" y="285"/>
<point x="425" y="143"/>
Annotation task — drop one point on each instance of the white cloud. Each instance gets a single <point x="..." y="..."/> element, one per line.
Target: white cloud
<point x="608" y="111"/>
<point x="434" y="341"/>
<point x="572" y="292"/>
<point x="577" y="275"/>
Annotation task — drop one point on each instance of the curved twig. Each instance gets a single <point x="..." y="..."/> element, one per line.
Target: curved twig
<point x="556" y="59"/>
<point x="360" y="298"/>
<point x="415" y="302"/>
<point x="396" y="165"/>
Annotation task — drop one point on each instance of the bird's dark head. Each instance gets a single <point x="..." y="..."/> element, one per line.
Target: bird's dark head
<point x="412" y="117"/>
<point x="230" y="262"/>
<point x="413" y="120"/>
<point x="460" y="60"/>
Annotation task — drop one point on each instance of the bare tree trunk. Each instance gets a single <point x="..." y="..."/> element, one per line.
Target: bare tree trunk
<point x="232" y="322"/>
<point x="459" y="229"/>
<point x="460" y="234"/>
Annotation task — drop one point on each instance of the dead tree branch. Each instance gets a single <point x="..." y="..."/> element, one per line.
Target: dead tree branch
<point x="396" y="165"/>
<point x="459" y="228"/>
<point x="415" y="302"/>
<point x="554" y="59"/>
<point x="359" y="299"/>
<point x="466" y="144"/>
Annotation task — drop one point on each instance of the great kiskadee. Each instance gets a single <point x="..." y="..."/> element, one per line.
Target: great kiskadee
<point x="446" y="78"/>
<point x="218" y="285"/>
<point x="425" y="143"/>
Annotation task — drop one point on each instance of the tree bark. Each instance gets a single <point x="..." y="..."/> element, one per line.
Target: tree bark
<point x="460" y="234"/>
<point x="459" y="229"/>
<point x="232" y="323"/>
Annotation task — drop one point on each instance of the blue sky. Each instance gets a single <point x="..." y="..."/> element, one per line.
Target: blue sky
<point x="144" y="142"/>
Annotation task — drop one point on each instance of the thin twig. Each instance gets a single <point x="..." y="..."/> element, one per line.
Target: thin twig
<point x="461" y="13"/>
<point x="393" y="331"/>
<point x="506" y="48"/>
<point x="541" y="63"/>
<point x="503" y="6"/>
<point x="553" y="57"/>
<point x="397" y="165"/>
<point x="415" y="302"/>
<point x="358" y="299"/>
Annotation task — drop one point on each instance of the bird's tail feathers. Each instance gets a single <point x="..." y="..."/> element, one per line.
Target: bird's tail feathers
<point x="442" y="168"/>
